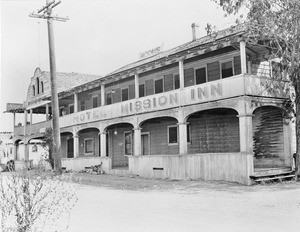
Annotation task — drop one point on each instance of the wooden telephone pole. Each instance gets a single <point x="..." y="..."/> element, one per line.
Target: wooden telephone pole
<point x="46" y="13"/>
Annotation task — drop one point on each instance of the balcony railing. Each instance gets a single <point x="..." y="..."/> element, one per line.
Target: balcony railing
<point x="33" y="128"/>
<point x="238" y="85"/>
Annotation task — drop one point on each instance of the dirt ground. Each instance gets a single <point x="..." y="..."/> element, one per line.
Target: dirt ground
<point x="124" y="203"/>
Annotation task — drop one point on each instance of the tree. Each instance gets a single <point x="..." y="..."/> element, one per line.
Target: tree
<point x="48" y="145"/>
<point x="276" y="25"/>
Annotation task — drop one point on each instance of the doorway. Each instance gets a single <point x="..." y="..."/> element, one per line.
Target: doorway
<point x="145" y="144"/>
<point x="70" y="148"/>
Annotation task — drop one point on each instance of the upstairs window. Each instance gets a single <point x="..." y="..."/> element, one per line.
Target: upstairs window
<point x="200" y="76"/>
<point x="176" y="82"/>
<point x="227" y="69"/>
<point x="71" y="108"/>
<point x="33" y="90"/>
<point x="38" y="85"/>
<point x="82" y="105"/>
<point x="95" y="102"/>
<point x="42" y="87"/>
<point x="108" y="98"/>
<point x="158" y="86"/>
<point x="125" y="94"/>
<point x="142" y="90"/>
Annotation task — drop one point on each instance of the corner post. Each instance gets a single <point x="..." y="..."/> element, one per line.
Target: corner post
<point x="181" y="74"/>
<point x="243" y="57"/>
<point x="136" y="85"/>
<point x="103" y="143"/>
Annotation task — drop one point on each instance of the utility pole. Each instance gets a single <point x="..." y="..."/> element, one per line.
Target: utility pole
<point x="46" y="13"/>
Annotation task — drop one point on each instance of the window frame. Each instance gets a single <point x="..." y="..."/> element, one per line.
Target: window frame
<point x="168" y="134"/>
<point x="159" y="79"/>
<point x="94" y="97"/>
<point x="206" y="73"/>
<point x="85" y="147"/>
<point x="225" y="61"/>
<point x="127" y="93"/>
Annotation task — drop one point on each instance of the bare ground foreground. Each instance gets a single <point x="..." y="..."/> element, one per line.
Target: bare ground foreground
<point x="113" y="203"/>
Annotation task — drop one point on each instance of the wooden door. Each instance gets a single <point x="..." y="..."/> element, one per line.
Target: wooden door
<point x="70" y="148"/>
<point x="145" y="144"/>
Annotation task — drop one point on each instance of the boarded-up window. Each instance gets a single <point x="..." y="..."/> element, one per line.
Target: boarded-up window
<point x="131" y="92"/>
<point x="149" y="87"/>
<point x="125" y="94"/>
<point x="200" y="76"/>
<point x="176" y="82"/>
<point x="159" y="88"/>
<point x="227" y="69"/>
<point x="214" y="131"/>
<point x="108" y="98"/>
<point x="189" y="77"/>
<point x="172" y="135"/>
<point x="168" y="82"/>
<point x="117" y="95"/>
<point x="88" y="145"/>
<point x="142" y="90"/>
<point x="213" y="71"/>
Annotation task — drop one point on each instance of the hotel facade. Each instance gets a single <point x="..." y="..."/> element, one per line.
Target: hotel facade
<point x="214" y="108"/>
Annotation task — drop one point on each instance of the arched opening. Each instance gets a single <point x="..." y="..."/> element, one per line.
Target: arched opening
<point x="268" y="137"/>
<point x="213" y="131"/>
<point x="160" y="136"/>
<point x="42" y="87"/>
<point x="38" y="85"/>
<point x="20" y="150"/>
<point x="67" y="145"/>
<point x="33" y="90"/>
<point x="89" y="144"/>
<point x="119" y="141"/>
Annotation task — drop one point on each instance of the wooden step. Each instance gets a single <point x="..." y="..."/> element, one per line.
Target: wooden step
<point x="274" y="178"/>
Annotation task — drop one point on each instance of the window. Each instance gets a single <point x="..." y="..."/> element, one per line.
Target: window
<point x="189" y="78"/>
<point x="200" y="76"/>
<point x="38" y="85"/>
<point x="42" y="87"/>
<point x="61" y="111"/>
<point x="95" y="102"/>
<point x="128" y="143"/>
<point x="125" y="94"/>
<point x="71" y="108"/>
<point x="227" y="69"/>
<point x="108" y="98"/>
<point x="82" y="105"/>
<point x="176" y="82"/>
<point x="158" y="86"/>
<point x="33" y="90"/>
<point x="188" y="131"/>
<point x="172" y="135"/>
<point x="142" y="90"/>
<point x="88" y="146"/>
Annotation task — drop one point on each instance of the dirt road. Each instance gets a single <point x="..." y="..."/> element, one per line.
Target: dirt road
<point x="135" y="204"/>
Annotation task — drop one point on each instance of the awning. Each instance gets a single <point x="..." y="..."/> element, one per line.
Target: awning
<point x="37" y="104"/>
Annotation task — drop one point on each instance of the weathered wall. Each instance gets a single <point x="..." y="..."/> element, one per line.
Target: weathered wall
<point x="235" y="167"/>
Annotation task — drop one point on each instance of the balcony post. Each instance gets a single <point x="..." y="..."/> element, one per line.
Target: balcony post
<point x="182" y="138"/>
<point x="25" y="122"/>
<point x="136" y="85"/>
<point x="102" y="94"/>
<point x="14" y="120"/>
<point x="137" y="141"/>
<point x="243" y="57"/>
<point x="103" y="143"/>
<point x="26" y="151"/>
<point x="181" y="74"/>
<point x="47" y="112"/>
<point x="76" y="145"/>
<point x="75" y="102"/>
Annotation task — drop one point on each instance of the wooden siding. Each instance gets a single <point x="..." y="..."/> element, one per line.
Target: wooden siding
<point x="214" y="131"/>
<point x="158" y="133"/>
<point x="268" y="137"/>
<point x="236" y="167"/>
<point x="213" y="71"/>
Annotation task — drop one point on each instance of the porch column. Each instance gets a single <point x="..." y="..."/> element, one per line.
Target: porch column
<point x="75" y="102"/>
<point x="47" y="112"/>
<point x="182" y="138"/>
<point x="181" y="74"/>
<point x="25" y="121"/>
<point x="287" y="141"/>
<point x="103" y="144"/>
<point x="243" y="57"/>
<point x="102" y="95"/>
<point x="137" y="141"/>
<point x="15" y="154"/>
<point x="76" y="145"/>
<point x="136" y="85"/>
<point x="14" y="120"/>
<point x="30" y="126"/>
<point x="246" y="133"/>
<point x="26" y="151"/>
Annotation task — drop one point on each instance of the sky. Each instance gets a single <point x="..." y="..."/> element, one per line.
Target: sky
<point x="99" y="37"/>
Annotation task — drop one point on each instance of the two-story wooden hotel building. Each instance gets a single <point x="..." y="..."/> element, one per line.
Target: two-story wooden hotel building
<point x="209" y="109"/>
